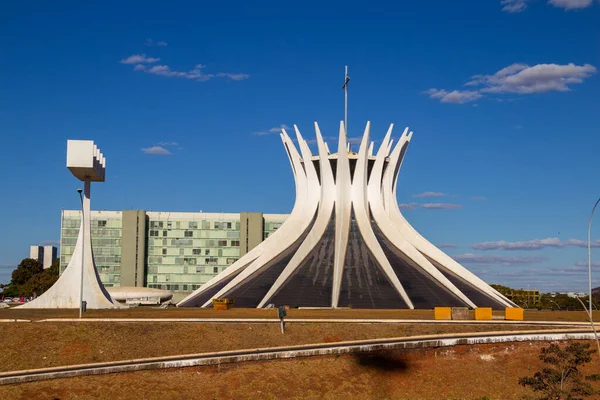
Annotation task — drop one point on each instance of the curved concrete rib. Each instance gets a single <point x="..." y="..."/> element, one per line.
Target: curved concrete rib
<point x="295" y="225"/>
<point x="361" y="214"/>
<point x="319" y="227"/>
<point x="389" y="230"/>
<point x="248" y="258"/>
<point x="343" y="196"/>
<point x="65" y="292"/>
<point x="418" y="241"/>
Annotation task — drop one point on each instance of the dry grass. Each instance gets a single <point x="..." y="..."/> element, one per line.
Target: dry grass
<point x="149" y="312"/>
<point x="49" y="344"/>
<point x="461" y="372"/>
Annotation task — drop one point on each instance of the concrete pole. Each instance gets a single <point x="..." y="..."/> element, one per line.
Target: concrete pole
<point x="85" y="225"/>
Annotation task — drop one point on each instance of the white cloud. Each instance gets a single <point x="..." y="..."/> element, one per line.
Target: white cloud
<point x="150" y="42"/>
<point x="429" y="206"/>
<point x="233" y="77"/>
<point x="514" y="6"/>
<point x="446" y="246"/>
<point x="523" y="79"/>
<point x="429" y="194"/>
<point x="517" y="6"/>
<point x="535" y="244"/>
<point x="571" y="4"/>
<point x="139" y="59"/>
<point x="455" y="96"/>
<point x="276" y="129"/>
<point x="520" y="79"/>
<point x="494" y="259"/>
<point x="167" y="144"/>
<point x="408" y="206"/>
<point x="156" y="150"/>
<point x="441" y="206"/>
<point x="164" y="70"/>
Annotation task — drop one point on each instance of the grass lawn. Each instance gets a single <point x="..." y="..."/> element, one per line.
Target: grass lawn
<point x="185" y="312"/>
<point x="461" y="372"/>
<point x="49" y="344"/>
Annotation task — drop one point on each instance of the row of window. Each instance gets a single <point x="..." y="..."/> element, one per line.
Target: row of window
<point x="195" y="225"/>
<point x="95" y="232"/>
<point x="175" y="287"/>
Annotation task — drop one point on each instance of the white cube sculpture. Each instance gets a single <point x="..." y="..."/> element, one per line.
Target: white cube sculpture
<point x="87" y="164"/>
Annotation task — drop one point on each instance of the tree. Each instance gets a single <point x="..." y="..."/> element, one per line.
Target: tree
<point x="30" y="277"/>
<point x="25" y="270"/>
<point x="41" y="282"/>
<point x="562" y="378"/>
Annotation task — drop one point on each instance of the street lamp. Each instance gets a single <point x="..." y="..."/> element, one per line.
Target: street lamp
<point x="590" y="259"/>
<point x="82" y="254"/>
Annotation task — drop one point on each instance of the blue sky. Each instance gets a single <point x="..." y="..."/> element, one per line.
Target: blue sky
<point x="502" y="97"/>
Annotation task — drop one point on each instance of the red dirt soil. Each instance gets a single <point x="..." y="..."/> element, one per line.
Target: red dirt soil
<point x="460" y="372"/>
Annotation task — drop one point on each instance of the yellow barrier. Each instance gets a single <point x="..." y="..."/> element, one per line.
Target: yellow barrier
<point x="514" y="314"/>
<point x="222" y="303"/>
<point x="443" y="312"/>
<point x="483" y="313"/>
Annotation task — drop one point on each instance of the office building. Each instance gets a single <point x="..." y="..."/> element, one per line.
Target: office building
<point x="37" y="253"/>
<point x="175" y="251"/>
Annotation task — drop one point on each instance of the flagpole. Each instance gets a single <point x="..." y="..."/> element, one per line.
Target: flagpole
<point x="346" y="101"/>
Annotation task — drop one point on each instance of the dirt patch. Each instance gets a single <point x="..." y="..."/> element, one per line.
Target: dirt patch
<point x="461" y="372"/>
<point x="50" y="344"/>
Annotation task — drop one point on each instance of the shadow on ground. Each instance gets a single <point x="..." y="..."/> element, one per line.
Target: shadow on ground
<point x="383" y="361"/>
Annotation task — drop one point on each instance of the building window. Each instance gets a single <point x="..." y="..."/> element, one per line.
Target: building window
<point x="181" y="251"/>
<point x="197" y="252"/>
<point x="185" y="288"/>
<point x="164" y="251"/>
<point x="215" y="270"/>
<point x="222" y="243"/>
<point x="217" y="225"/>
<point x="164" y="233"/>
<point x="230" y="261"/>
<point x="153" y="233"/>
<point x="235" y="243"/>
<point x="199" y="270"/>
<point x="154" y="279"/>
<point x="101" y="224"/>
<point x="206" y="252"/>
<point x="193" y="225"/>
<point x="169" y="224"/>
<point x="189" y="261"/>
<point x="188" y="234"/>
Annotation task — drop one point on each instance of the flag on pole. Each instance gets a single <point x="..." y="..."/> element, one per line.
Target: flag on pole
<point x="346" y="82"/>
